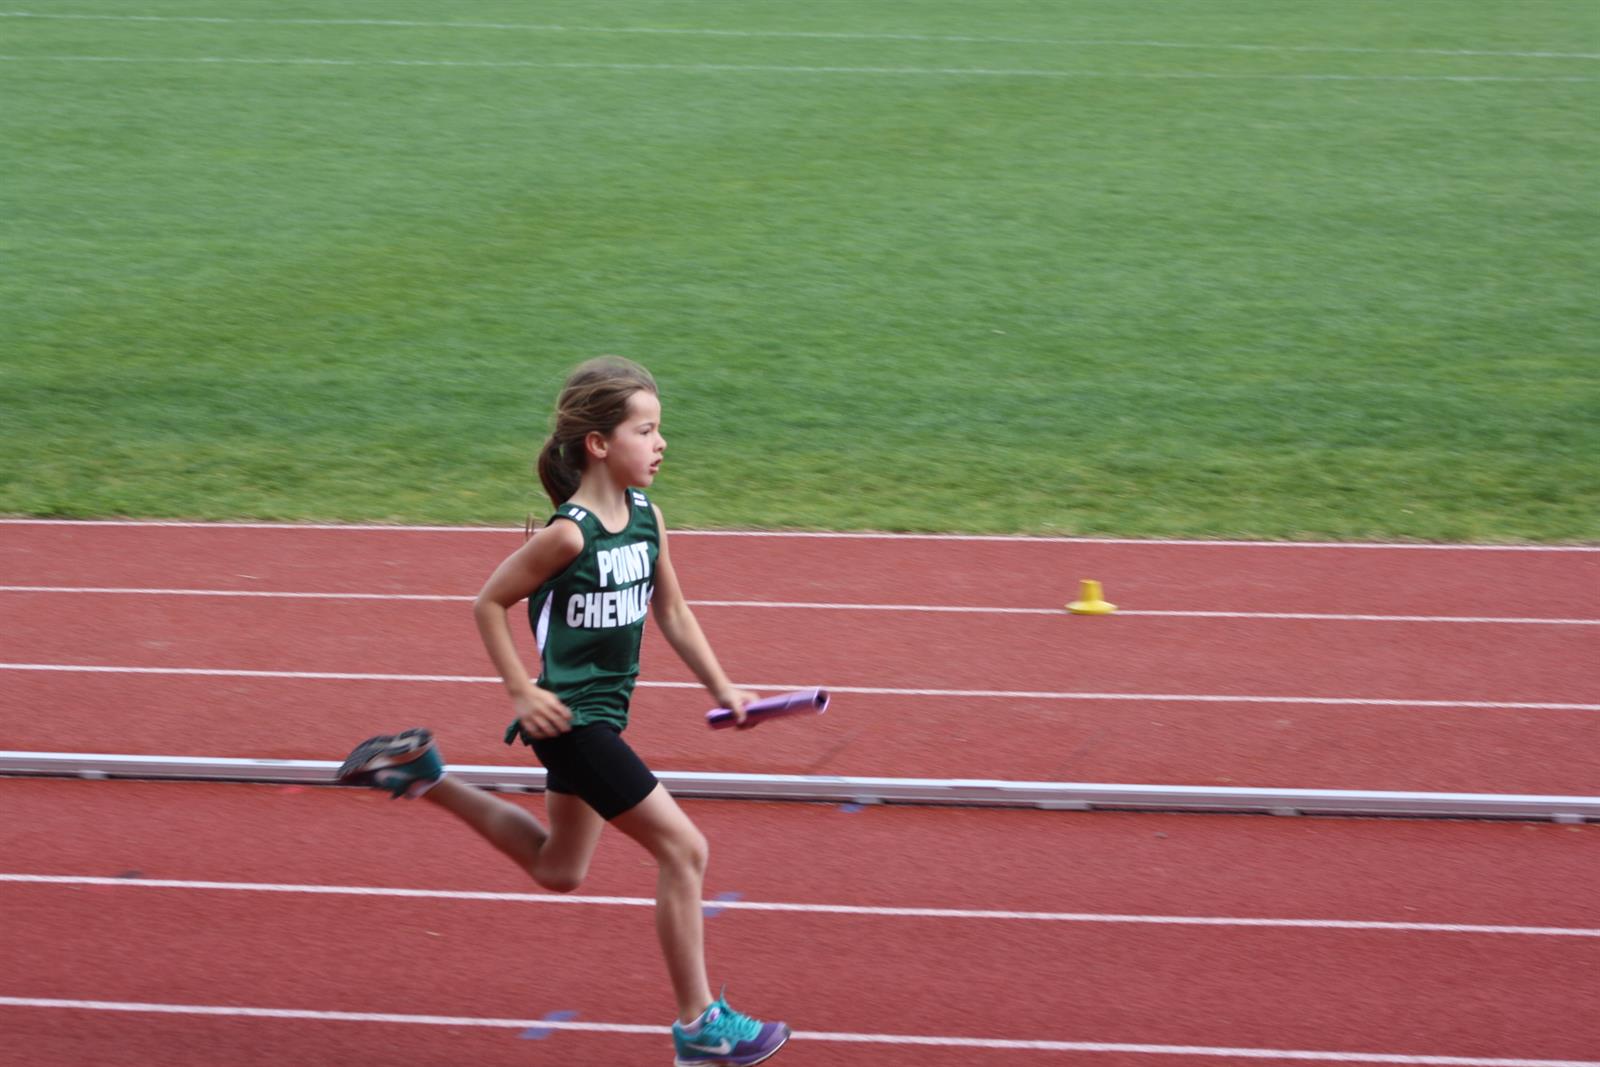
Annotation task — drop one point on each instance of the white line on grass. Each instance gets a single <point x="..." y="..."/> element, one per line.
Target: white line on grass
<point x="835" y="535"/>
<point x="676" y="31"/>
<point x="1021" y="1045"/>
<point x="808" y="909"/>
<point x="800" y="605"/>
<point x="1003" y="694"/>
<point x="754" y="68"/>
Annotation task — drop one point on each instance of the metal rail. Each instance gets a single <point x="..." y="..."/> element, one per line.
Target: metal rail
<point x="1061" y="796"/>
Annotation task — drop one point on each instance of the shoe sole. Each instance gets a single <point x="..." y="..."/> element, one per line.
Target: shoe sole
<point x="386" y="750"/>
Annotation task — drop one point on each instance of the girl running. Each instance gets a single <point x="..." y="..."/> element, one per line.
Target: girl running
<point x="588" y="579"/>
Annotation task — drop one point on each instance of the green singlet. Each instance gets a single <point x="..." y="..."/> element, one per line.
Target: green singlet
<point x="589" y="619"/>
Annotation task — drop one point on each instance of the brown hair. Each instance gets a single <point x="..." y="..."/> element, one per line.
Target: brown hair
<point x="594" y="400"/>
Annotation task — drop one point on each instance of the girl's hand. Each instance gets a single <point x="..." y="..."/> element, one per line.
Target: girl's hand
<point x="541" y="713"/>
<point x="735" y="700"/>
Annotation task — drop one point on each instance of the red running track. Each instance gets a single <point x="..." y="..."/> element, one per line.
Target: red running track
<point x="1097" y="988"/>
<point x="1065" y="653"/>
<point x="1398" y="743"/>
<point x="1161" y="743"/>
<point x="1015" y="572"/>
<point x="1457" y="993"/>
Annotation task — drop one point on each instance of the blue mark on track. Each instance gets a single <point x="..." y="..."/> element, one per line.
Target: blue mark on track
<point x="539" y="1033"/>
<point x="716" y="907"/>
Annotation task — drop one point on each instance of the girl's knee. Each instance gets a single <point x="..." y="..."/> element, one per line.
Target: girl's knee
<point x="559" y="881"/>
<point x="657" y="824"/>
<point x="689" y="851"/>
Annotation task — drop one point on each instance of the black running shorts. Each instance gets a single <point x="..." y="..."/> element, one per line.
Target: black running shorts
<point x="594" y="762"/>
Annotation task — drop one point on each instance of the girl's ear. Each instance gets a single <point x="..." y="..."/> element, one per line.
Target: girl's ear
<point x="595" y="444"/>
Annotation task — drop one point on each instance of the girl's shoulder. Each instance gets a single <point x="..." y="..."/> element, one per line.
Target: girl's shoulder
<point x="546" y="552"/>
<point x="558" y="538"/>
<point x="578" y="513"/>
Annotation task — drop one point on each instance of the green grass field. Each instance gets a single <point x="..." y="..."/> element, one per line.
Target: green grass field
<point x="1261" y="268"/>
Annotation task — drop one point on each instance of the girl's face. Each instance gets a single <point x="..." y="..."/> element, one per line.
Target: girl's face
<point x="633" y="451"/>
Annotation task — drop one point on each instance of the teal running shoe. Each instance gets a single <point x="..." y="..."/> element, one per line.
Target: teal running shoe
<point x="723" y="1037"/>
<point x="407" y="764"/>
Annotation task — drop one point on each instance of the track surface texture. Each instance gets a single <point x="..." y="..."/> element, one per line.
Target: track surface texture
<point x="1353" y="703"/>
<point x="162" y="923"/>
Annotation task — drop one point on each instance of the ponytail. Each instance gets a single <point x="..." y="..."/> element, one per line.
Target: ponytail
<point x="557" y="473"/>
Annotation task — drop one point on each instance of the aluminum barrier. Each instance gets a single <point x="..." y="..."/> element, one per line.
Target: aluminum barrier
<point x="1059" y="796"/>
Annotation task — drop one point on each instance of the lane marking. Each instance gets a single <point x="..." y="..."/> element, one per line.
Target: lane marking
<point x="810" y="35"/>
<point x="540" y="1032"/>
<point x="243" y="593"/>
<point x="334" y="1016"/>
<point x="837" y="535"/>
<point x="801" y="1035"/>
<point x="712" y="908"/>
<point x="798" y="605"/>
<point x="1007" y="694"/>
<point x="1315" y="616"/>
<point x="734" y="902"/>
<point x="763" y="68"/>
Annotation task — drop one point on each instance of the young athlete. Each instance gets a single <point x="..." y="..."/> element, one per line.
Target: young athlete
<point x="588" y="577"/>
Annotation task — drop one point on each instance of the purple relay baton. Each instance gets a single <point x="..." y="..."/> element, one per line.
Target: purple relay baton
<point x="805" y="702"/>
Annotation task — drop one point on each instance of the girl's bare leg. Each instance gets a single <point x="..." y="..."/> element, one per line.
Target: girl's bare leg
<point x="557" y="858"/>
<point x="680" y="850"/>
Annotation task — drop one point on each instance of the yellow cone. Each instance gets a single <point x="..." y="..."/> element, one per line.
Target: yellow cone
<point x="1090" y="600"/>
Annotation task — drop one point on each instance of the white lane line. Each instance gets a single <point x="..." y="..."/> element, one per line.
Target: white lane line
<point x="833" y="535"/>
<point x="801" y="605"/>
<point x="346" y="527"/>
<point x="1004" y="694"/>
<point x="809" y="909"/>
<point x="230" y="593"/>
<point x="232" y="1011"/>
<point x="1304" y="616"/>
<point x="773" y="68"/>
<point x="316" y="676"/>
<point x="1333" y="617"/>
<point x="809" y="35"/>
<point x="926" y="1041"/>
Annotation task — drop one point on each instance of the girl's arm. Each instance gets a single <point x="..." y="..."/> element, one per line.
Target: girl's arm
<point x="682" y="631"/>
<point x="546" y="554"/>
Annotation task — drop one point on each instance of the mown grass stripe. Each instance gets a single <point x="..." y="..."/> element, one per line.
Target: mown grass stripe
<point x="763" y="68"/>
<point x="675" y="31"/>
